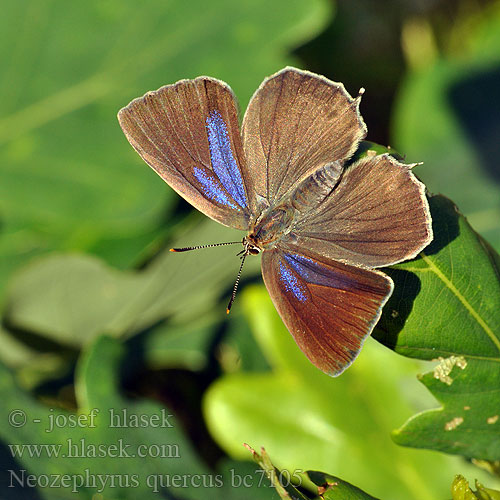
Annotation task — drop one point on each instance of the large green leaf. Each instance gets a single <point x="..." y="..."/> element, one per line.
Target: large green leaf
<point x="69" y="178"/>
<point x="446" y="305"/>
<point x="308" y="420"/>
<point x="447" y="115"/>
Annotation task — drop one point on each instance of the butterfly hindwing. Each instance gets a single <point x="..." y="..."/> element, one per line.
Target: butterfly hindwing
<point x="377" y="215"/>
<point x="189" y="134"/>
<point x="328" y="307"/>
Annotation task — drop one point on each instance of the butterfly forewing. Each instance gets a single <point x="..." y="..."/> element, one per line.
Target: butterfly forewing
<point x="377" y="215"/>
<point x="328" y="307"/>
<point x="189" y="134"/>
<point x="295" y="122"/>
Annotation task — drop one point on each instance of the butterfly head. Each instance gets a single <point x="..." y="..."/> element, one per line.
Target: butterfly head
<point x="250" y="245"/>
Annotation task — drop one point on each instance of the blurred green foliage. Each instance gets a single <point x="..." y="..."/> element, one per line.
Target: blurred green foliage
<point x="98" y="314"/>
<point x="70" y="181"/>
<point x="447" y="115"/>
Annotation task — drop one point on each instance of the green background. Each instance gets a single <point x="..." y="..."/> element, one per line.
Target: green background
<point x="96" y="313"/>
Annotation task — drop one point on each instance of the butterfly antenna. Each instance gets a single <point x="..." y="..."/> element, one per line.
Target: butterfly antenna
<point x="187" y="249"/>
<point x="236" y="283"/>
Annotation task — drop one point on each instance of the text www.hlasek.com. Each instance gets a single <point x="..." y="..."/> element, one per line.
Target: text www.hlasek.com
<point x="81" y="449"/>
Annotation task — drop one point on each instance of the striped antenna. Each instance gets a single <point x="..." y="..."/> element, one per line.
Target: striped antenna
<point x="187" y="249"/>
<point x="235" y="288"/>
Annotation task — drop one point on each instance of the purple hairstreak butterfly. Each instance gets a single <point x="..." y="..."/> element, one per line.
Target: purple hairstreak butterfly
<point x="321" y="228"/>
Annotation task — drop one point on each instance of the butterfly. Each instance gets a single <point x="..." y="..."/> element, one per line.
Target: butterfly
<point x="322" y="227"/>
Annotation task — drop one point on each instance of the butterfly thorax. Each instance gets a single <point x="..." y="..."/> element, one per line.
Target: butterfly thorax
<point x="276" y="222"/>
<point x="271" y="225"/>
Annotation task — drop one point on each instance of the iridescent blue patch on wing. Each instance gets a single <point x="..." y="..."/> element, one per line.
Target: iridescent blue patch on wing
<point x="302" y="265"/>
<point x="314" y="272"/>
<point x="212" y="188"/>
<point x="291" y="283"/>
<point x="223" y="161"/>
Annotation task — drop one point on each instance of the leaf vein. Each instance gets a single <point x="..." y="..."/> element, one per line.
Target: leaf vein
<point x="449" y="284"/>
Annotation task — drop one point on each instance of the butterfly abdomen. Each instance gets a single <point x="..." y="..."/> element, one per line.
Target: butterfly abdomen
<point x="316" y="187"/>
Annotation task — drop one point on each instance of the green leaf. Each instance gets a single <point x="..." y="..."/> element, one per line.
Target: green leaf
<point x="308" y="420"/>
<point x="70" y="298"/>
<point x="177" y="345"/>
<point x="14" y="353"/>
<point x="283" y="483"/>
<point x="446" y="117"/>
<point x="370" y="148"/>
<point x="334" y="488"/>
<point x="70" y="180"/>
<point x="446" y="306"/>
<point x="460" y="490"/>
<point x="328" y="487"/>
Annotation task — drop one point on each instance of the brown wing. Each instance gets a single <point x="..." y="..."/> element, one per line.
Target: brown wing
<point x="296" y="122"/>
<point x="376" y="216"/>
<point x="189" y="134"/>
<point x="328" y="307"/>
